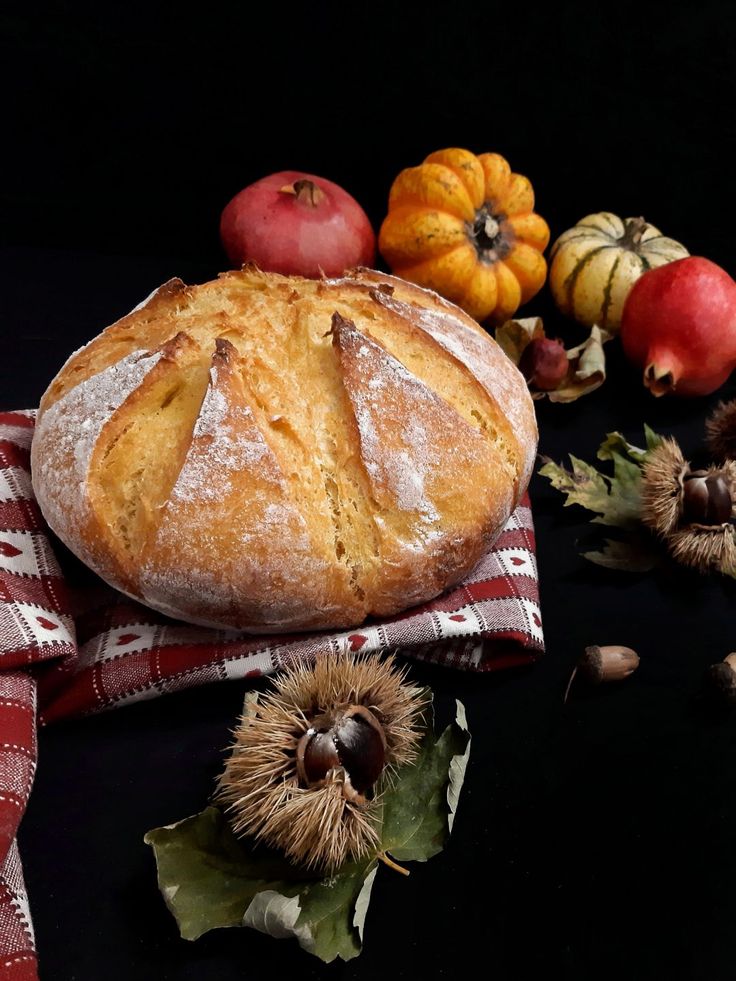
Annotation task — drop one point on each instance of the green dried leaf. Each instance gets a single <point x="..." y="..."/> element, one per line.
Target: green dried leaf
<point x="275" y="914"/>
<point x="418" y="813"/>
<point x="199" y="857"/>
<point x="625" y="507"/>
<point x="363" y="901"/>
<point x="209" y="878"/>
<point x="615" y="443"/>
<point x="327" y="924"/>
<point x="615" y="500"/>
<point x="318" y="916"/>
<point x="653" y="439"/>
<point x="632" y="555"/>
<point x="458" y="766"/>
<point x="582" y="485"/>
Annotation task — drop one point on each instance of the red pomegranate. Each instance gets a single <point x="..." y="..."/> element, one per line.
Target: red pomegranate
<point x="297" y="224"/>
<point x="679" y="326"/>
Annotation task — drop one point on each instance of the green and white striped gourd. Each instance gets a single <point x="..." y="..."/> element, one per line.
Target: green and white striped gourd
<point x="595" y="264"/>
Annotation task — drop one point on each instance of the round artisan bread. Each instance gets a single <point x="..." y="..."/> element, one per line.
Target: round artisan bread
<point x="273" y="453"/>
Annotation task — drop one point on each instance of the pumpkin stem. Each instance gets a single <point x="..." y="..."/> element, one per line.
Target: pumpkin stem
<point x="305" y="191"/>
<point x="486" y="234"/>
<point x="633" y="230"/>
<point x="491" y="227"/>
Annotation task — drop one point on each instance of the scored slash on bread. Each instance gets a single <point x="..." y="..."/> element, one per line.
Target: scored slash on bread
<point x="412" y="442"/>
<point x="230" y="516"/>
<point x="270" y="453"/>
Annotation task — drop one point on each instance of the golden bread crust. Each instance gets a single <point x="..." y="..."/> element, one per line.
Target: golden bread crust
<point x="271" y="453"/>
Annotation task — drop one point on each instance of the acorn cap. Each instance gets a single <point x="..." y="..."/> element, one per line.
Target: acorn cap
<point x="720" y="680"/>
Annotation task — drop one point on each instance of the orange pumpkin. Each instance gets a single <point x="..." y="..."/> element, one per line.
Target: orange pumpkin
<point x="464" y="225"/>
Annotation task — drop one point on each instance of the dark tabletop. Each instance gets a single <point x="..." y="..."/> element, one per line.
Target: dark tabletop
<point x="593" y="840"/>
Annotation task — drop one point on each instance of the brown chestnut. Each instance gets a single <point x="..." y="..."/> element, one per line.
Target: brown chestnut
<point x="349" y="737"/>
<point x="320" y="756"/>
<point x="706" y="498"/>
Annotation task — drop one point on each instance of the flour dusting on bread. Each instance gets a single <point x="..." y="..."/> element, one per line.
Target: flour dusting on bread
<point x="496" y="372"/>
<point x="66" y="435"/>
<point x="225" y="441"/>
<point x="379" y="386"/>
<point x="268" y="453"/>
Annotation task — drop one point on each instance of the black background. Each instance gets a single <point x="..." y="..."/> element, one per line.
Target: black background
<point x="592" y="841"/>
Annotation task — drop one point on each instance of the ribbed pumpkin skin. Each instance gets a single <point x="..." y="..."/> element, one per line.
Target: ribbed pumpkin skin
<point x="595" y="264"/>
<point x="434" y="236"/>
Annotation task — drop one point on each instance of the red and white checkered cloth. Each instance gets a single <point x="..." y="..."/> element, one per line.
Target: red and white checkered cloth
<point x="78" y="647"/>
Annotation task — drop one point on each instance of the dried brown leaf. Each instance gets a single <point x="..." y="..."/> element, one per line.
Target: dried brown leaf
<point x="586" y="362"/>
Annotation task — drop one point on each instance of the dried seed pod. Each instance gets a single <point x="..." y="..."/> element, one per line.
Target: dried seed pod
<point x="309" y="760"/>
<point x="720" y="431"/>
<point x="690" y="509"/>
<point x="662" y="484"/>
<point x="720" y="680"/>
<point x="703" y="547"/>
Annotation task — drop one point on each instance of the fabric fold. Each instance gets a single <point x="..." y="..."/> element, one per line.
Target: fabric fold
<point x="76" y="647"/>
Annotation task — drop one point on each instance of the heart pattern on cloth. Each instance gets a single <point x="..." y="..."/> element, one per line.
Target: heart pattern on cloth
<point x="173" y="656"/>
<point x="127" y="639"/>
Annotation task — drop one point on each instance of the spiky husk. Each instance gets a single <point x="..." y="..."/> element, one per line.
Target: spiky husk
<point x="317" y="827"/>
<point x="704" y="547"/>
<point x="720" y="431"/>
<point x="661" y="490"/>
<point x="728" y="470"/>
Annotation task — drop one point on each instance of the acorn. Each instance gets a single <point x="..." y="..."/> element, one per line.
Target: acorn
<point x="720" y="680"/>
<point x="612" y="663"/>
<point x="312" y="756"/>
<point x="599" y="664"/>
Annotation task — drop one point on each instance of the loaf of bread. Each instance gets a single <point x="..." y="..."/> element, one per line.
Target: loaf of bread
<point x="270" y="453"/>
